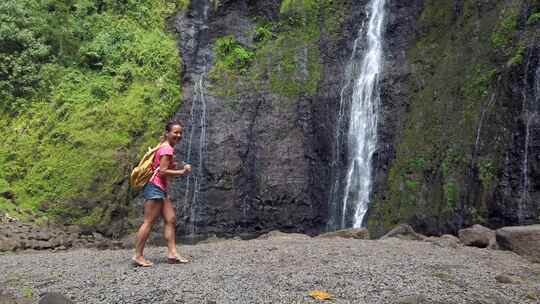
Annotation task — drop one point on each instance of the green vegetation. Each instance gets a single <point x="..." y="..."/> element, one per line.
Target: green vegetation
<point x="232" y="55"/>
<point x="183" y="4"/>
<point x="28" y="292"/>
<point x="533" y="19"/>
<point x="506" y="29"/>
<point x="487" y="172"/>
<point x="284" y="57"/>
<point x="517" y="59"/>
<point x="85" y="86"/>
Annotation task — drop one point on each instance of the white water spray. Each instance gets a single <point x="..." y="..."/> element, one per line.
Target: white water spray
<point x="365" y="103"/>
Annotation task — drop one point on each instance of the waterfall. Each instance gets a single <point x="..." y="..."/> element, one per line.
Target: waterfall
<point x="188" y="191"/>
<point x="350" y="194"/>
<point x="530" y="116"/>
<point x="198" y="117"/>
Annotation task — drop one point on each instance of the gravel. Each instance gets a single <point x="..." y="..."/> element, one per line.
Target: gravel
<point x="281" y="270"/>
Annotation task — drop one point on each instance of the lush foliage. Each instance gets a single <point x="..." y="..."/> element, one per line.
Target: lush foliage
<point x="284" y="55"/>
<point x="533" y="19"/>
<point x="84" y="87"/>
<point x="231" y="54"/>
<point x="504" y="33"/>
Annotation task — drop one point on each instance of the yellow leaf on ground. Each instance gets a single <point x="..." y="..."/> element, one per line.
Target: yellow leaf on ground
<point x="320" y="295"/>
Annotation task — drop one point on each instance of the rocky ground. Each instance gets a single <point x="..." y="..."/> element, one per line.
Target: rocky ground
<point x="278" y="269"/>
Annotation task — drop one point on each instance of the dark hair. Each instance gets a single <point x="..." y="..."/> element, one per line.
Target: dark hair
<point x="172" y="123"/>
<point x="168" y="128"/>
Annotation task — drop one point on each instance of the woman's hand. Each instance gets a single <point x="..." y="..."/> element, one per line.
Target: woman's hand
<point x="164" y="170"/>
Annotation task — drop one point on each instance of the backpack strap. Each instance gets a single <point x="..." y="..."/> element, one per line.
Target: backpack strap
<point x="156" y="170"/>
<point x="154" y="175"/>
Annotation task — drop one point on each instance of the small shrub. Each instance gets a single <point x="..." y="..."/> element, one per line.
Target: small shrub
<point x="533" y="19"/>
<point x="231" y="54"/>
<point x="517" y="59"/>
<point x="262" y="33"/>
<point x="503" y="35"/>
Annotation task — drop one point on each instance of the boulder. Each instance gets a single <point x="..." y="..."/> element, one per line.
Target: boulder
<point x="523" y="240"/>
<point x="413" y="299"/>
<point x="506" y="279"/>
<point x="404" y="232"/>
<point x="73" y="229"/>
<point x="9" y="244"/>
<point x="478" y="236"/>
<point x="353" y="233"/>
<point x="54" y="298"/>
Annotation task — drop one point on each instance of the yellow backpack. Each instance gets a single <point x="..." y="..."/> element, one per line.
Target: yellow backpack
<point x="141" y="174"/>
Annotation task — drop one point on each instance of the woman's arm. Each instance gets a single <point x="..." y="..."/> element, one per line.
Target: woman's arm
<point x="164" y="167"/>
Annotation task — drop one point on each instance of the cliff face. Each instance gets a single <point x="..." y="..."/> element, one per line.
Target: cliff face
<point x="260" y="156"/>
<point x="464" y="142"/>
<point x="457" y="134"/>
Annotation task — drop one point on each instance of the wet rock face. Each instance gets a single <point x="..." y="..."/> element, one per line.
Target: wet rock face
<point x="508" y="196"/>
<point x="399" y="35"/>
<point x="257" y="157"/>
<point x="518" y="193"/>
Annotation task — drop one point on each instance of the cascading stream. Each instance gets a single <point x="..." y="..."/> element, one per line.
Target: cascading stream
<point x="195" y="49"/>
<point x="198" y="117"/>
<point x="530" y="114"/>
<point x="362" y="73"/>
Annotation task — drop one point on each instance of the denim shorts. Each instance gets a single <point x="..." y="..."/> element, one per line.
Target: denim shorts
<point x="153" y="192"/>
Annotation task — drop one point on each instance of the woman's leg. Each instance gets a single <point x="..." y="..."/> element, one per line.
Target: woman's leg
<point x="152" y="210"/>
<point x="169" y="217"/>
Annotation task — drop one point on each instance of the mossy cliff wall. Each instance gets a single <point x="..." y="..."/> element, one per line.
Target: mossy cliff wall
<point x="462" y="142"/>
<point x="254" y="76"/>
<point x="458" y="94"/>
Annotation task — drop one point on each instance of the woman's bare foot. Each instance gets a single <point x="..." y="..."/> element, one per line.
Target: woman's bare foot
<point x="142" y="262"/>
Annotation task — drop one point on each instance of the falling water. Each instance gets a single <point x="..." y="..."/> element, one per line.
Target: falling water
<point x="362" y="73"/>
<point x="198" y="118"/>
<point x="530" y="115"/>
<point x="525" y="170"/>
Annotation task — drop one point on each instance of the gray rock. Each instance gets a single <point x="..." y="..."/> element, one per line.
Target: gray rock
<point x="405" y="232"/>
<point x="523" y="240"/>
<point x="505" y="279"/>
<point x="478" y="236"/>
<point x="54" y="298"/>
<point x="73" y="229"/>
<point x="9" y="244"/>
<point x="413" y="299"/>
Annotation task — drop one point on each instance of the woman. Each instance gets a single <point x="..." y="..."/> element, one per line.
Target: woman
<point x="156" y="199"/>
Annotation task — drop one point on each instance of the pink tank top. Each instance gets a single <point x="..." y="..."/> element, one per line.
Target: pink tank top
<point x="158" y="180"/>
